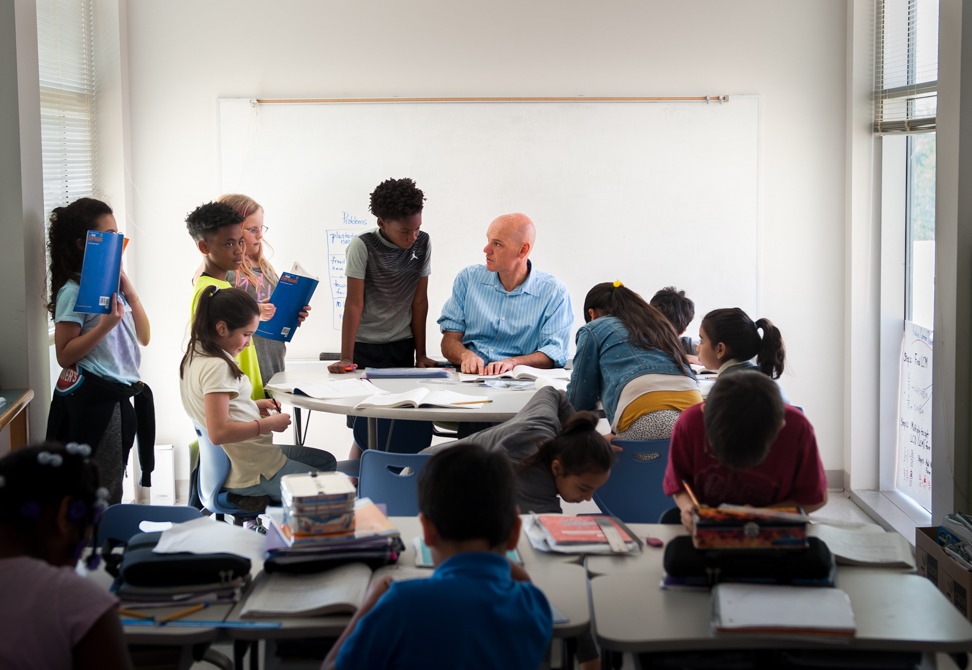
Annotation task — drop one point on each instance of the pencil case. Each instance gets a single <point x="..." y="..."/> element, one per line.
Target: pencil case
<point x="748" y="528"/>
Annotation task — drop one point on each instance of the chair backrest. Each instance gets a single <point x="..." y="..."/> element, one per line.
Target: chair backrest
<point x="633" y="492"/>
<point x="407" y="437"/>
<point x="214" y="468"/>
<point x="120" y="522"/>
<point x="379" y="479"/>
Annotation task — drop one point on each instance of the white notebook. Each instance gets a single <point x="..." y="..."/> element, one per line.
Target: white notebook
<point x="344" y="388"/>
<point x="869" y="546"/>
<point x="793" y="610"/>
<point x="336" y="591"/>
<point x="423" y="397"/>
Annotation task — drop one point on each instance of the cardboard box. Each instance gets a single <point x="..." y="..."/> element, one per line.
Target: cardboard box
<point x="951" y="578"/>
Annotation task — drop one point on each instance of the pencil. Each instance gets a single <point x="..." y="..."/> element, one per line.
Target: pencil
<point x="688" y="489"/>
<point x="135" y="615"/>
<point x="185" y="612"/>
<point x="470" y="402"/>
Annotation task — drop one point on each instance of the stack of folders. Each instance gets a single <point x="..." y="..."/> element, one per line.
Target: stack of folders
<point x="371" y="539"/>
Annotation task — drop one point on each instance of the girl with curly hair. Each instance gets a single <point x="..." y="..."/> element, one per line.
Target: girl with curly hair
<point x="98" y="353"/>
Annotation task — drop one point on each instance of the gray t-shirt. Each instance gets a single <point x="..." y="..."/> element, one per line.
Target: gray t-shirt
<point x="520" y="437"/>
<point x="391" y="275"/>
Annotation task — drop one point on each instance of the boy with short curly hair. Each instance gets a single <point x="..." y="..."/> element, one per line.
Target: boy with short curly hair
<point x="217" y="230"/>
<point x="388" y="272"/>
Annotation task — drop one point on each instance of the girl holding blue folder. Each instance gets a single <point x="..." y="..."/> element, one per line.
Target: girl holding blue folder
<point x="99" y="355"/>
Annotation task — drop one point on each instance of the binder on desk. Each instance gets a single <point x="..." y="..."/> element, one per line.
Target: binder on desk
<point x="294" y="290"/>
<point x="100" y="272"/>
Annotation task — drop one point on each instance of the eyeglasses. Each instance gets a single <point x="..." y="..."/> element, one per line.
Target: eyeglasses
<point x="254" y="231"/>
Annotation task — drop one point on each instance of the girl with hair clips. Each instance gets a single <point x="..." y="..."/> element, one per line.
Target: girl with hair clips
<point x="216" y="395"/>
<point x="99" y="355"/>
<point x="258" y="278"/>
<point x="50" y="503"/>
<point x="729" y="340"/>
<point x="629" y="357"/>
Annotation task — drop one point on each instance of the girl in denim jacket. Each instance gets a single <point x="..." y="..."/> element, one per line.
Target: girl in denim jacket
<point x="629" y="357"/>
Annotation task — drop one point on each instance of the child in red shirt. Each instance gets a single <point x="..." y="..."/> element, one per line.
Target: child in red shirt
<point x="743" y="446"/>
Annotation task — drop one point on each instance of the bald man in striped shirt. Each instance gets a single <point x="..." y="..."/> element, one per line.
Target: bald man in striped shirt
<point x="506" y="313"/>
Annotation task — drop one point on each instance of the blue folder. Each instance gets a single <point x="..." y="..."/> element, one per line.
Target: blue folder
<point x="293" y="291"/>
<point x="100" y="272"/>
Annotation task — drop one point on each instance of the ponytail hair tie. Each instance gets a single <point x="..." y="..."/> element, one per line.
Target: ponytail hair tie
<point x="618" y="284"/>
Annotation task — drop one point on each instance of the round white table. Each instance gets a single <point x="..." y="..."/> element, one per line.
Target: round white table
<point x="504" y="405"/>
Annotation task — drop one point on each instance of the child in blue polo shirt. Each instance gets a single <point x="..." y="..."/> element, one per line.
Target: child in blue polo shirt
<point x="476" y="604"/>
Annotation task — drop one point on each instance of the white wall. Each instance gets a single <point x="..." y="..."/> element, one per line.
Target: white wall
<point x="184" y="54"/>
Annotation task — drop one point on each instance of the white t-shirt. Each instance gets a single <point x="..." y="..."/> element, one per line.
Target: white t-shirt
<point x="251" y="458"/>
<point x="44" y="613"/>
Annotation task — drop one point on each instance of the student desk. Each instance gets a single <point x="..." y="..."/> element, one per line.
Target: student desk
<point x="557" y="575"/>
<point x="504" y="406"/>
<point x="894" y="610"/>
<point x="13" y="419"/>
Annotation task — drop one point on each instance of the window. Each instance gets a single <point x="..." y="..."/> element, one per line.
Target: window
<point x="905" y="109"/>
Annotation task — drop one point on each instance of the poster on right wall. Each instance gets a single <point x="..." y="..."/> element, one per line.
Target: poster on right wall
<point x="913" y="474"/>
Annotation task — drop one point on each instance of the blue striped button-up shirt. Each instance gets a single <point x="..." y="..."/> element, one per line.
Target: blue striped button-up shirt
<point x="498" y="324"/>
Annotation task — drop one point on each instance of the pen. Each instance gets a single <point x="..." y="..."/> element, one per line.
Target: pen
<point x="470" y="402"/>
<point x="276" y="404"/>
<point x="185" y="612"/>
<point x="137" y="615"/>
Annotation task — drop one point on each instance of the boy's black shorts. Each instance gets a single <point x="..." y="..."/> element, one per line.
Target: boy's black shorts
<point x="399" y="354"/>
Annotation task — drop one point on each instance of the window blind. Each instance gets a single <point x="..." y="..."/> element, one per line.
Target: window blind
<point x="906" y="66"/>
<point x="67" y="97"/>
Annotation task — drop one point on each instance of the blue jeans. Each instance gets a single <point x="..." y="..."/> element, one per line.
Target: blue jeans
<point x="299" y="461"/>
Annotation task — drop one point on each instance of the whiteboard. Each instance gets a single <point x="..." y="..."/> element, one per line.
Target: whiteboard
<point x="913" y="467"/>
<point x="652" y="194"/>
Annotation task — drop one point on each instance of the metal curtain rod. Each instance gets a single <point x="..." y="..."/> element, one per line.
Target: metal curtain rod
<point x="701" y="98"/>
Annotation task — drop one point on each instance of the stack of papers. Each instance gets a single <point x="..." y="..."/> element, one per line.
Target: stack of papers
<point x="317" y="502"/>
<point x="790" y="610"/>
<point x="423" y="397"/>
<point x="325" y="389"/>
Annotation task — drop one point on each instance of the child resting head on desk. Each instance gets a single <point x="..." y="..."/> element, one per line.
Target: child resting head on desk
<point x="477" y="610"/>
<point x="51" y="500"/>
<point x="743" y="446"/>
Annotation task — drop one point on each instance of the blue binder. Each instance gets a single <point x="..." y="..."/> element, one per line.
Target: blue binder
<point x="293" y="291"/>
<point x="100" y="272"/>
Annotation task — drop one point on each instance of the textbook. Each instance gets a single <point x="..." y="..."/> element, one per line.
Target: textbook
<point x="294" y="290"/>
<point x="337" y="591"/>
<point x="407" y="373"/>
<point x="100" y="272"/>
<point x="777" y="609"/>
<point x="521" y="372"/>
<point x="578" y="534"/>
<point x="328" y="389"/>
<point x="422" y="397"/>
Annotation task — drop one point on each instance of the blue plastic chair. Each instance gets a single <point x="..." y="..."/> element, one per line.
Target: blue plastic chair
<point x="214" y="468"/>
<point x="407" y="437"/>
<point x="633" y="492"/>
<point x="120" y="522"/>
<point x="380" y="480"/>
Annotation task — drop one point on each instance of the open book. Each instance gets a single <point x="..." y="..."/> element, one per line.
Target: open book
<point x="294" y="290"/>
<point x="792" y="610"/>
<point x="337" y="591"/>
<point x="521" y="372"/>
<point x="423" y="397"/>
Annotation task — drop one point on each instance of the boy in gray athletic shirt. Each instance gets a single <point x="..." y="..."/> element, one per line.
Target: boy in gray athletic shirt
<point x="388" y="272"/>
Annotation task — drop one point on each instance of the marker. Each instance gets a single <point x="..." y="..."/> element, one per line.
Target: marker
<point x="351" y="368"/>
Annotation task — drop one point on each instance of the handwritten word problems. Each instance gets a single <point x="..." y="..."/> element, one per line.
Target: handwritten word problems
<point x="913" y="474"/>
<point x="338" y="240"/>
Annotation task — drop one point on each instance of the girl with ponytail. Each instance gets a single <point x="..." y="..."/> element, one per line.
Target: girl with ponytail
<point x="729" y="340"/>
<point x="98" y="354"/>
<point x="217" y="396"/>
<point x="629" y="357"/>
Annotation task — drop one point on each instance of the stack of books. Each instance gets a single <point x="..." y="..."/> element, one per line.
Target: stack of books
<point x="317" y="503"/>
<point x="370" y="538"/>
